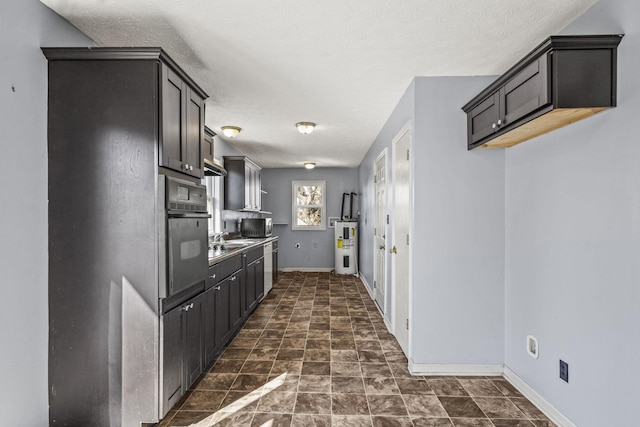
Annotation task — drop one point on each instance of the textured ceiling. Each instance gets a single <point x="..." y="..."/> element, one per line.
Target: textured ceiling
<point x="343" y="64"/>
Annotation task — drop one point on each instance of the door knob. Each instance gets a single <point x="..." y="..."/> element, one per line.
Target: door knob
<point x="393" y="250"/>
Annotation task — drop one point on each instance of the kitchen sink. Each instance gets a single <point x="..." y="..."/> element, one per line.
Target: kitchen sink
<point x="244" y="242"/>
<point x="235" y="245"/>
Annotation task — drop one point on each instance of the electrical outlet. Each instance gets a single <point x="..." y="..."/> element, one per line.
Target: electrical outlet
<point x="564" y="370"/>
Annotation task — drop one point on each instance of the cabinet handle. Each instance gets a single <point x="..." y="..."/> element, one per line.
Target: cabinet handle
<point x="190" y="167"/>
<point x="188" y="306"/>
<point x="257" y="262"/>
<point x="217" y="288"/>
<point x="213" y="276"/>
<point x="494" y="126"/>
<point x="233" y="278"/>
<point x="186" y="166"/>
<point x="500" y="122"/>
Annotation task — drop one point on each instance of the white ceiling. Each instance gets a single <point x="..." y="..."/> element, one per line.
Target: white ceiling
<point x="343" y="64"/>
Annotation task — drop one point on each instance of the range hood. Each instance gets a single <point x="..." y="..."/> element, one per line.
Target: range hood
<point x="213" y="169"/>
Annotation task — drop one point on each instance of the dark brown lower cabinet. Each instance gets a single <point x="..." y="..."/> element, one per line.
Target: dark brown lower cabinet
<point x="194" y="333"/>
<point x="236" y="283"/>
<point x="182" y="353"/>
<point x="172" y="358"/>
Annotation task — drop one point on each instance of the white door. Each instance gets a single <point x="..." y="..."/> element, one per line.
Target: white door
<point x="380" y="231"/>
<point x="401" y="241"/>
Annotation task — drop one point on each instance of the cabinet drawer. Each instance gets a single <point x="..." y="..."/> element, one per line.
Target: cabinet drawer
<point x="223" y="269"/>
<point x="254" y="254"/>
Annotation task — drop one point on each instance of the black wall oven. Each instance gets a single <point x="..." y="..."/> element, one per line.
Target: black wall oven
<point x="186" y="234"/>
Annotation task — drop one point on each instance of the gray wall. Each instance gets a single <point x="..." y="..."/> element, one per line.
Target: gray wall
<point x="316" y="247"/>
<point x="458" y="231"/>
<point x="458" y="226"/>
<point x="403" y="112"/>
<point x="25" y="26"/>
<point x="573" y="246"/>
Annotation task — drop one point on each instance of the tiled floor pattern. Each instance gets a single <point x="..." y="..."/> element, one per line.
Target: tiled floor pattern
<point x="316" y="352"/>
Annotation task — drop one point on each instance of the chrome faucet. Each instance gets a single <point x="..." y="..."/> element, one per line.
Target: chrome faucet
<point x="218" y="241"/>
<point x="219" y="237"/>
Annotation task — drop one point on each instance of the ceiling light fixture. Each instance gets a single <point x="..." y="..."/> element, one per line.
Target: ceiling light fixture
<point x="230" y="131"/>
<point x="309" y="165"/>
<point x="305" y="127"/>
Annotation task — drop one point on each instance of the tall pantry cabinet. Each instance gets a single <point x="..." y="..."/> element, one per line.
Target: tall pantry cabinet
<point x="116" y="119"/>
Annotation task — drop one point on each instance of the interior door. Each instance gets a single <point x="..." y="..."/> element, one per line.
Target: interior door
<point x="401" y="241"/>
<point x="380" y="231"/>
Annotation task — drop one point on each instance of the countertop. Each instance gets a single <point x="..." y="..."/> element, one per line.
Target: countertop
<point x="217" y="256"/>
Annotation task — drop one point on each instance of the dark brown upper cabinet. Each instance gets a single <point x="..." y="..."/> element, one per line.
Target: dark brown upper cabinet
<point x="207" y="145"/>
<point x="563" y="80"/>
<point x="242" y="186"/>
<point x="182" y="135"/>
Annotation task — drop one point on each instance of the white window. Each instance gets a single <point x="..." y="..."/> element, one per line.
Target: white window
<point x="214" y="203"/>
<point x="308" y="205"/>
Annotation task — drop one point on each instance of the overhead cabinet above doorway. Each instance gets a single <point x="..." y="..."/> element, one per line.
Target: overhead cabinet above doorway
<point x="563" y="80"/>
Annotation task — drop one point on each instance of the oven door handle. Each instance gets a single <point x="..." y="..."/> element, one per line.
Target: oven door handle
<point x="188" y="215"/>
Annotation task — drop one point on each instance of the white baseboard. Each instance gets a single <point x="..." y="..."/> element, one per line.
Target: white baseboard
<point x="307" y="270"/>
<point x="547" y="408"/>
<point x="366" y="284"/>
<point x="454" y="369"/>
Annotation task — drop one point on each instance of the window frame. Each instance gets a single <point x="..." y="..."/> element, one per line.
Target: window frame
<point x="294" y="206"/>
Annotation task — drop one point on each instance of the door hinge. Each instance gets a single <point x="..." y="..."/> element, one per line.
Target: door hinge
<point x="407" y="324"/>
<point x="375" y="231"/>
<point x="387" y="219"/>
<point x="407" y="240"/>
<point x="374" y="284"/>
<point x="407" y="154"/>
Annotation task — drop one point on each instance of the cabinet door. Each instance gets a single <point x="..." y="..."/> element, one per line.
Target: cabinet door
<point x="222" y="317"/>
<point x="182" y="126"/>
<point x="482" y="121"/>
<point x="259" y="280"/>
<point x="209" y="326"/>
<point x="194" y="125"/>
<point x="248" y="187"/>
<point x="172" y="353"/>
<point x="193" y="340"/>
<point x="235" y="299"/>
<point x="207" y="148"/>
<point x="526" y="92"/>
<point x="172" y="139"/>
<point x="250" y="288"/>
<point x="257" y="182"/>
<point x="275" y="265"/>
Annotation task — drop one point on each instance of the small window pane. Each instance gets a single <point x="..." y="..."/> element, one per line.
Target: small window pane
<point x="309" y="216"/>
<point x="309" y="195"/>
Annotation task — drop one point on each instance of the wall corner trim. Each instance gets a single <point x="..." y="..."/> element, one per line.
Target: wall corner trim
<point x="541" y="403"/>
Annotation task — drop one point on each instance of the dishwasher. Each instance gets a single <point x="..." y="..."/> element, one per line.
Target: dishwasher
<point x="268" y="267"/>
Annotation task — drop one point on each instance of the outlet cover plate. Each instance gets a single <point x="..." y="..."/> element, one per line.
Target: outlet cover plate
<point x="564" y="371"/>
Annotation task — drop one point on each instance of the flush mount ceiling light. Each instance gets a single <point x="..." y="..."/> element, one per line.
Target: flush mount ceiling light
<point x="230" y="131"/>
<point x="309" y="165"/>
<point x="305" y="127"/>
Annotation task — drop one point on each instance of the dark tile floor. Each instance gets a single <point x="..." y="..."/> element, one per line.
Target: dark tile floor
<point x="316" y="352"/>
